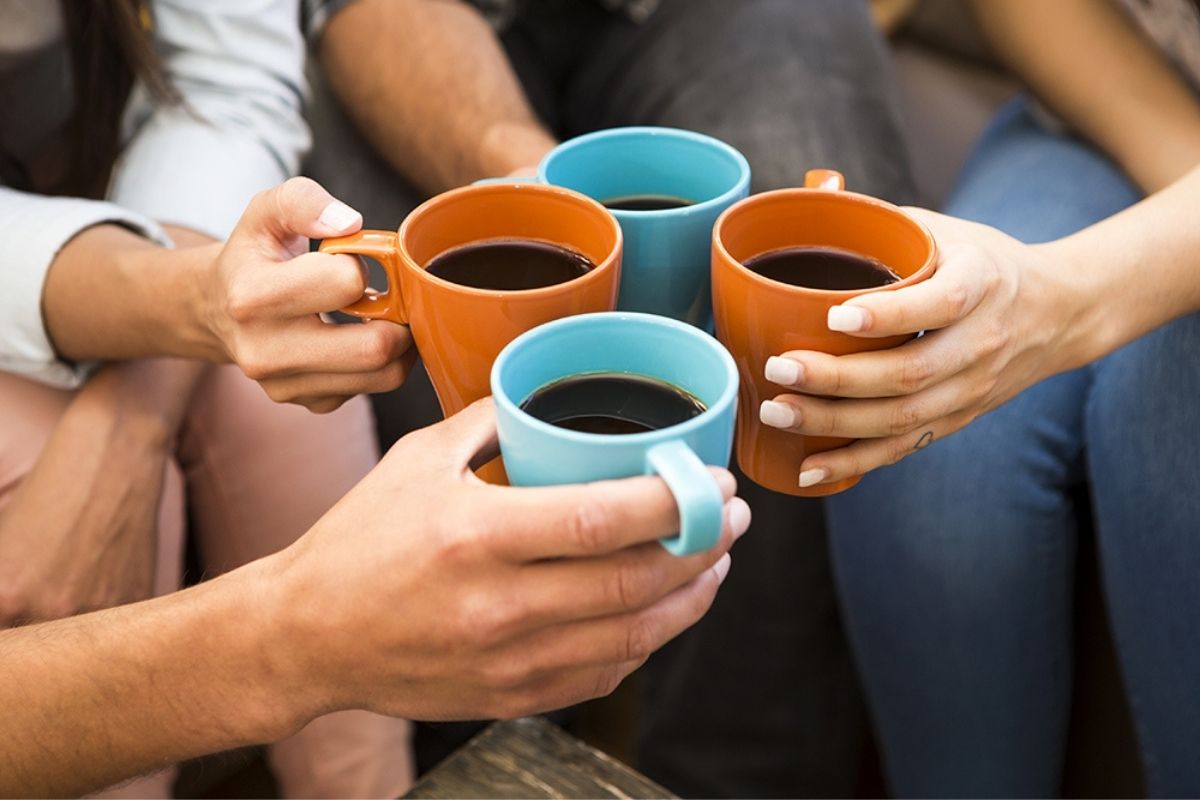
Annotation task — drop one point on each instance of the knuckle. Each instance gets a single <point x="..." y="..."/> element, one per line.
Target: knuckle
<point x="641" y="639"/>
<point x="906" y="416"/>
<point x="956" y="299"/>
<point x="896" y="451"/>
<point x="258" y="368"/>
<point x="915" y="373"/>
<point x="377" y="347"/>
<point x="995" y="339"/>
<point x="587" y="527"/>
<point x="636" y="584"/>
<point x="606" y="682"/>
<point x="242" y="301"/>
<point x="505" y="675"/>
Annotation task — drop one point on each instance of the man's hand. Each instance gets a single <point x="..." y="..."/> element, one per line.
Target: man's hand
<point x="80" y="533"/>
<point x="428" y="594"/>
<point x="1000" y="315"/>
<point x="266" y="294"/>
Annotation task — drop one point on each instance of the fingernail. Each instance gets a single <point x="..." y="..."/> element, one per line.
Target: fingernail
<point x="847" y="319"/>
<point x="722" y="567"/>
<point x="777" y="415"/>
<point x="784" y="371"/>
<point x="811" y="477"/>
<point x="739" y="517"/>
<point x="338" y="217"/>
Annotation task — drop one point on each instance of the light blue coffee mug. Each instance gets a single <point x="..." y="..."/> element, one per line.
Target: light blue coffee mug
<point x="668" y="252"/>
<point x="537" y="453"/>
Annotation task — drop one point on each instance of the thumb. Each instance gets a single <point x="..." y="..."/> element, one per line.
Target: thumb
<point x="467" y="438"/>
<point x="298" y="207"/>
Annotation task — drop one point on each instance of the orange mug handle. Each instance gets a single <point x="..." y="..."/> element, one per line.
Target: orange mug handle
<point x="381" y="246"/>
<point x="824" y="179"/>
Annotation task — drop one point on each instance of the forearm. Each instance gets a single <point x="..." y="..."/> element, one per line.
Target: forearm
<point x="1086" y="62"/>
<point x="1132" y="272"/>
<point x="429" y="84"/>
<point x="95" y="699"/>
<point x="112" y="295"/>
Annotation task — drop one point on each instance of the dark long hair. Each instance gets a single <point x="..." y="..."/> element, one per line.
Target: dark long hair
<point x="111" y="45"/>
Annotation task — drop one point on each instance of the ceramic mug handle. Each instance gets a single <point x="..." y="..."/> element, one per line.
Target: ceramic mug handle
<point x="696" y="493"/>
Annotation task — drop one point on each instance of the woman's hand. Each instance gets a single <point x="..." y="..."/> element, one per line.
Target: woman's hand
<point x="267" y="291"/>
<point x="999" y="316"/>
<point x="80" y="532"/>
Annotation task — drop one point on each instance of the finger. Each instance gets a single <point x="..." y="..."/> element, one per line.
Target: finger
<point x="620" y="638"/>
<point x="907" y="369"/>
<point x="311" y="283"/>
<point x="962" y="280"/>
<point x="323" y="385"/>
<point x="634" y="578"/>
<point x="866" y="455"/>
<point x="311" y="346"/>
<point x="297" y="207"/>
<point x="591" y="519"/>
<point x="326" y="404"/>
<point x="858" y="419"/>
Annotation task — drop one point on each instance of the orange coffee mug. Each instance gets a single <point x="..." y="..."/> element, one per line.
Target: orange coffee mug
<point x="758" y="318"/>
<point x="459" y="330"/>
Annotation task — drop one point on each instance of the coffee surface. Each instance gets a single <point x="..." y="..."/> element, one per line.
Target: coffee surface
<point x="612" y="403"/>
<point x="822" y="268"/>
<point x="646" y="202"/>
<point x="509" y="265"/>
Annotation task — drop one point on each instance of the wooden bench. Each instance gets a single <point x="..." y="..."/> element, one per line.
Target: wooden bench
<point x="532" y="758"/>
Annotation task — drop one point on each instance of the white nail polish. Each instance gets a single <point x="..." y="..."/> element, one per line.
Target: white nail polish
<point x="847" y="319"/>
<point x="338" y="217"/>
<point x="811" y="477"/>
<point x="777" y="415"/>
<point x="784" y="371"/>
<point x="739" y="518"/>
<point x="722" y="567"/>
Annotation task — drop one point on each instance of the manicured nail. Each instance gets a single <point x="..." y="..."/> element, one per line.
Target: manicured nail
<point x="739" y="517"/>
<point x="722" y="567"/>
<point x="338" y="217"/>
<point x="784" y="371"/>
<point x="811" y="477"/>
<point x="778" y="415"/>
<point x="847" y="319"/>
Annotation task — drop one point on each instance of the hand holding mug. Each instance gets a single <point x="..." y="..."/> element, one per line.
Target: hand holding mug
<point x="477" y="601"/>
<point x="998" y="318"/>
<point x="264" y="297"/>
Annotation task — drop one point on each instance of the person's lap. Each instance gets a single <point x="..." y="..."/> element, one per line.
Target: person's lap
<point x="250" y="476"/>
<point x="955" y="566"/>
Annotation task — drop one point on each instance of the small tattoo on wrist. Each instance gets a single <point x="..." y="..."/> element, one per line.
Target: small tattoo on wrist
<point x="925" y="440"/>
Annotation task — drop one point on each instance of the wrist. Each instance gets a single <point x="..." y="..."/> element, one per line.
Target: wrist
<point x="274" y="653"/>
<point x="509" y="146"/>
<point x="1078" y="285"/>
<point x="295" y="640"/>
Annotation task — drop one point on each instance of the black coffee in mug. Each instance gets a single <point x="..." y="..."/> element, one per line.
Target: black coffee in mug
<point x="822" y="268"/>
<point x="509" y="265"/>
<point x="646" y="202"/>
<point x="612" y="403"/>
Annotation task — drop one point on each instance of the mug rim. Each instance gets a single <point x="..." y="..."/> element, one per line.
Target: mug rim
<point x="854" y="198"/>
<point x="508" y="187"/>
<point x="711" y="412"/>
<point x="740" y="186"/>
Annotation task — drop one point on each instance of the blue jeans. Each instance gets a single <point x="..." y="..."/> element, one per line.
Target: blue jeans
<point x="955" y="567"/>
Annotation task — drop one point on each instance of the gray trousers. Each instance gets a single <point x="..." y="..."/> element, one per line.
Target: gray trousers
<point x="760" y="698"/>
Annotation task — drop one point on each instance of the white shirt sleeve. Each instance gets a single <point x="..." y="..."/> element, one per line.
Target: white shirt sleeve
<point x="33" y="228"/>
<point x="239" y="67"/>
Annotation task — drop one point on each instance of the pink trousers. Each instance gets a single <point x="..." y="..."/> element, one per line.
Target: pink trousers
<point x="251" y="476"/>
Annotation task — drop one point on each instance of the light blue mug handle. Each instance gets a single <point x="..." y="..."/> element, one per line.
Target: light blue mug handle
<point x="696" y="493"/>
<point x="519" y="179"/>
